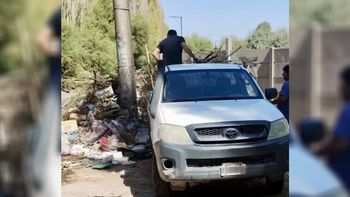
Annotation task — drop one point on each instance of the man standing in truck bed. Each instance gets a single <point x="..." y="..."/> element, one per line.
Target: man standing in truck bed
<point x="171" y="48"/>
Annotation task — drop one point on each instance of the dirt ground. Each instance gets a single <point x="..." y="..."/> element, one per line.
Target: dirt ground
<point x="80" y="180"/>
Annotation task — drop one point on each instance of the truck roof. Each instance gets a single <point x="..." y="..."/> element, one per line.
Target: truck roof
<point x="182" y="67"/>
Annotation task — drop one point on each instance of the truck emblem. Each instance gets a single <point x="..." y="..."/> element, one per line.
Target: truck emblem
<point x="231" y="133"/>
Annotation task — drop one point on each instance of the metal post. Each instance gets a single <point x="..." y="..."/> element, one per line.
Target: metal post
<point x="178" y="17"/>
<point x="228" y="44"/>
<point x="125" y="56"/>
<point x="272" y="68"/>
<point x="181" y="24"/>
<point x="316" y="71"/>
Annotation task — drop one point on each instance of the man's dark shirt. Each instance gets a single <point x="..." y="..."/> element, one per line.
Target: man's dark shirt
<point x="172" y="50"/>
<point x="55" y="60"/>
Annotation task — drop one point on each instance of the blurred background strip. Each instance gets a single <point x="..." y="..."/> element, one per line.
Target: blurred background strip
<point x="319" y="57"/>
<point x="23" y="72"/>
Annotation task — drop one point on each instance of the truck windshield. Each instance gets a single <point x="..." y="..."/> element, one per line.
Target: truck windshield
<point x="221" y="84"/>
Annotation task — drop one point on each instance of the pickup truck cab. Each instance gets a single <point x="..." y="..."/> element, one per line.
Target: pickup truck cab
<point x="212" y="122"/>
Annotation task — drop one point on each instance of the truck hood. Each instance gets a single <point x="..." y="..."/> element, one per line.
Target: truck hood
<point x="186" y="113"/>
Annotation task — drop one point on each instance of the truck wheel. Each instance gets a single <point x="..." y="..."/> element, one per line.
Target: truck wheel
<point x="275" y="186"/>
<point x="161" y="188"/>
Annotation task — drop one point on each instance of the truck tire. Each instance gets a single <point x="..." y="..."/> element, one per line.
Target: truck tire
<point x="161" y="188"/>
<point x="275" y="186"/>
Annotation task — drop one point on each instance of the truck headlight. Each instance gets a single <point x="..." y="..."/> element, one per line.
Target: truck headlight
<point x="173" y="134"/>
<point x="278" y="129"/>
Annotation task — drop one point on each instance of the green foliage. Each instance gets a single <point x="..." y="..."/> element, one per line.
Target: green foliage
<point x="319" y="11"/>
<point x="236" y="42"/>
<point x="279" y="38"/>
<point x="263" y="37"/>
<point x="10" y="56"/>
<point x="140" y="37"/>
<point x="20" y="21"/>
<point x="248" y="62"/>
<point x="88" y="37"/>
<point x="199" y="44"/>
<point x="90" y="46"/>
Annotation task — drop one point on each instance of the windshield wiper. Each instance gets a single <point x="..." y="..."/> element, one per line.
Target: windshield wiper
<point x="223" y="98"/>
<point x="181" y="100"/>
<point x="205" y="99"/>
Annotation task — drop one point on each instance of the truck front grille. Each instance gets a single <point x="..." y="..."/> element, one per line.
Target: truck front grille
<point x="219" y="131"/>
<point x="244" y="133"/>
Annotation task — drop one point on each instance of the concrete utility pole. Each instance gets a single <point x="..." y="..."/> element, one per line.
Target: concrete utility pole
<point x="125" y="55"/>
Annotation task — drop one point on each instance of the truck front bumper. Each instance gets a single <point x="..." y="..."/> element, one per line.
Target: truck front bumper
<point x="205" y="162"/>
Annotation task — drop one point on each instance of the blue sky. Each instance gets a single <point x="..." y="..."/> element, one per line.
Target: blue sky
<point x="216" y="19"/>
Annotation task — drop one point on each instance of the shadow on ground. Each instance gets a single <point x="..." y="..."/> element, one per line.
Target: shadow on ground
<point x="139" y="179"/>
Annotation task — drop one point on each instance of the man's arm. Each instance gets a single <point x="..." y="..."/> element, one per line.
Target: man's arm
<point x="283" y="95"/>
<point x="44" y="39"/>
<point x="341" y="135"/>
<point x="156" y="54"/>
<point x="188" y="50"/>
<point x="280" y="99"/>
<point x="333" y="146"/>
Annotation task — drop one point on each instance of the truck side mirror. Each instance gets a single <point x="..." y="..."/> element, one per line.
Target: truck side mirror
<point x="270" y="93"/>
<point x="311" y="130"/>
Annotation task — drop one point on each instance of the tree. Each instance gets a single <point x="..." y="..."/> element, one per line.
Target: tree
<point x="279" y="38"/>
<point x="199" y="44"/>
<point x="263" y="37"/>
<point x="237" y="42"/>
<point x="89" y="45"/>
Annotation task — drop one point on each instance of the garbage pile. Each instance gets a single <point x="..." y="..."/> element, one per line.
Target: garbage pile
<point x="98" y="129"/>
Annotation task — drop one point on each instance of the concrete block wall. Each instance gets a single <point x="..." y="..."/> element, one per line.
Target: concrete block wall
<point x="317" y="57"/>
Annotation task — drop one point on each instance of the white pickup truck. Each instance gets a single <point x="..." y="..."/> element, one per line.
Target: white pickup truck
<point x="212" y="122"/>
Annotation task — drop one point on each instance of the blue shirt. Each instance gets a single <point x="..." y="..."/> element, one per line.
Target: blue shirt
<point x="284" y="106"/>
<point x="340" y="162"/>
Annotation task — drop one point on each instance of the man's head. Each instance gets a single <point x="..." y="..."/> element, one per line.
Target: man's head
<point x="285" y="73"/>
<point x="172" y="32"/>
<point x="345" y="83"/>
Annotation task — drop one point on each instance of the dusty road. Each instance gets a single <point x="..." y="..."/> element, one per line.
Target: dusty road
<point x="83" y="181"/>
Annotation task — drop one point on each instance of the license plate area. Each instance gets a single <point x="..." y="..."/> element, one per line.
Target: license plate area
<point x="230" y="169"/>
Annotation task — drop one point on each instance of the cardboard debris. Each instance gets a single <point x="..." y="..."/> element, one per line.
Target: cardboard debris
<point x="75" y="116"/>
<point x="68" y="126"/>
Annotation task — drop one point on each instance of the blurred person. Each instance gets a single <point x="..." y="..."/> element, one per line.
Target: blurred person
<point x="171" y="48"/>
<point x="44" y="158"/>
<point x="282" y="100"/>
<point x="49" y="43"/>
<point x="337" y="147"/>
